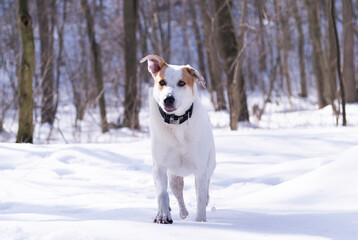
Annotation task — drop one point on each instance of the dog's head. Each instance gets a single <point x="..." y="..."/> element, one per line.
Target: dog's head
<point x="174" y="85"/>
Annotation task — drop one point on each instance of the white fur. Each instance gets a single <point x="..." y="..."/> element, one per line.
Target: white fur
<point x="180" y="150"/>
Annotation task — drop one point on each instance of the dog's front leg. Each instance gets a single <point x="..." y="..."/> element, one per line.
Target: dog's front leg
<point x="202" y="188"/>
<point x="161" y="184"/>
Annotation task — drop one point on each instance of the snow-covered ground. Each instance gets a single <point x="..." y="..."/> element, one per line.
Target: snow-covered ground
<point x="295" y="177"/>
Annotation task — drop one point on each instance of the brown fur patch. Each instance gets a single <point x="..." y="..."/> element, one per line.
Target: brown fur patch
<point x="158" y="76"/>
<point x="188" y="78"/>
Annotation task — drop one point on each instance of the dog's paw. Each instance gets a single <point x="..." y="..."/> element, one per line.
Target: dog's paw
<point x="163" y="218"/>
<point x="183" y="213"/>
<point x="200" y="219"/>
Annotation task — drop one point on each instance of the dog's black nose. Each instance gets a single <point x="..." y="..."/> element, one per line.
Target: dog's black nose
<point x="169" y="101"/>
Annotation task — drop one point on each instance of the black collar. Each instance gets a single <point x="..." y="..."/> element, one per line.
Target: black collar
<point x="174" y="119"/>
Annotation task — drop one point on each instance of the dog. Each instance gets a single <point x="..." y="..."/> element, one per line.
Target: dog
<point x="182" y="141"/>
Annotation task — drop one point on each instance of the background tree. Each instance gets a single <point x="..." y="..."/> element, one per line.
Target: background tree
<point x="212" y="56"/>
<point x="25" y="74"/>
<point x="285" y="44"/>
<point x="131" y="101"/>
<point x="348" y="51"/>
<point x="338" y="62"/>
<point x="231" y="50"/>
<point x="331" y="90"/>
<point x="60" y="33"/>
<point x="301" y="46"/>
<point x="243" y="110"/>
<point x="260" y="5"/>
<point x="46" y="30"/>
<point x="314" y="20"/>
<point x="228" y="50"/>
<point x="97" y="64"/>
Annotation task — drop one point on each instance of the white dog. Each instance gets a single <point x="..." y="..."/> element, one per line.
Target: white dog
<point x="181" y="136"/>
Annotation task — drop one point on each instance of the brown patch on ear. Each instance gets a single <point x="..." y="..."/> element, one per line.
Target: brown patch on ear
<point x="188" y="78"/>
<point x="155" y="63"/>
<point x="197" y="76"/>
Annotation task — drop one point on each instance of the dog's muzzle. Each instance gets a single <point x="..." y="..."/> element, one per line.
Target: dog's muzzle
<point x="169" y="104"/>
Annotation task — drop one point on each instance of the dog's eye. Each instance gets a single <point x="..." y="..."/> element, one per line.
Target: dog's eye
<point x="162" y="83"/>
<point x="181" y="83"/>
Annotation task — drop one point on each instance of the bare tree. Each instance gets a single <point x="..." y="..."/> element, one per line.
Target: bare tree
<point x="79" y="77"/>
<point x="231" y="49"/>
<point x="331" y="89"/>
<point x="186" y="35"/>
<point x="25" y="74"/>
<point x="198" y="39"/>
<point x="260" y="5"/>
<point x="338" y="54"/>
<point x="143" y="39"/>
<point x="316" y="41"/>
<point x="214" y="67"/>
<point x="301" y="46"/>
<point x="160" y="37"/>
<point x="60" y="32"/>
<point x="284" y="45"/>
<point x="131" y="101"/>
<point x="97" y="64"/>
<point x="10" y="48"/>
<point x="238" y="69"/>
<point x="47" y="60"/>
<point x="348" y="51"/>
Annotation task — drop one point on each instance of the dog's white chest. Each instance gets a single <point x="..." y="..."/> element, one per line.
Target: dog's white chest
<point x="178" y="150"/>
<point x="184" y="138"/>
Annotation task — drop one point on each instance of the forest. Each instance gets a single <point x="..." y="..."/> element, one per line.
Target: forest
<point x="82" y="58"/>
<point x="281" y="95"/>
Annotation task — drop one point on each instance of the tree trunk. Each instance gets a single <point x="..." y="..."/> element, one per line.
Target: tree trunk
<point x="132" y="99"/>
<point x="185" y="31"/>
<point x="47" y="61"/>
<point x="25" y="74"/>
<point x="283" y="18"/>
<point x="301" y="48"/>
<point x="338" y="54"/>
<point x="228" y="51"/>
<point x="198" y="40"/>
<point x="348" y="52"/>
<point x="331" y="84"/>
<point x="260" y="5"/>
<point x="143" y="30"/>
<point x="167" y="50"/>
<point x="97" y="65"/>
<point x="161" y="47"/>
<point x="59" y="58"/>
<point x="243" y="111"/>
<point x="316" y="39"/>
<point x="217" y="83"/>
<point x="231" y="53"/>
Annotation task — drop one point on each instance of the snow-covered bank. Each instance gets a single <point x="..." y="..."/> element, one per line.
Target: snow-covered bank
<point x="269" y="184"/>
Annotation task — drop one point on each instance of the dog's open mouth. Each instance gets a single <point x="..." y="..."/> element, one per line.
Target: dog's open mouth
<point x="169" y="109"/>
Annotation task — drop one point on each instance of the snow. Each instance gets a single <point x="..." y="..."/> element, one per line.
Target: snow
<point x="295" y="177"/>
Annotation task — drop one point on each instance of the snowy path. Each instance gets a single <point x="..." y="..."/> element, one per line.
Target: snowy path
<point x="268" y="184"/>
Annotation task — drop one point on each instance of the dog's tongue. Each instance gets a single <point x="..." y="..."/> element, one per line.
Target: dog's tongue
<point x="169" y="109"/>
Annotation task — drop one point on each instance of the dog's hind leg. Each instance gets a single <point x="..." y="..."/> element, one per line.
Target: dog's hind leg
<point x="177" y="186"/>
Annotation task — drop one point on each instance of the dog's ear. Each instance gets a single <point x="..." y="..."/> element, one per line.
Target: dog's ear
<point x="155" y="63"/>
<point x="195" y="73"/>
